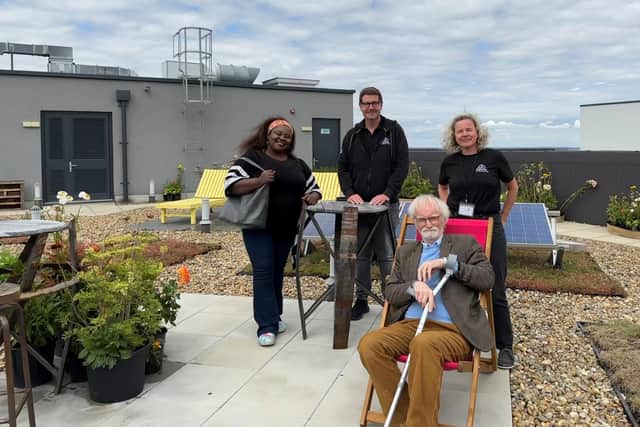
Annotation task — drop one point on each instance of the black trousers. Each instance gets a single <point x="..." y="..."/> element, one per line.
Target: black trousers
<point x="502" y="317"/>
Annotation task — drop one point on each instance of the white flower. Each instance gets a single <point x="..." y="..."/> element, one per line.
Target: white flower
<point x="84" y="195"/>
<point x="64" y="200"/>
<point x="61" y="195"/>
<point x="547" y="187"/>
<point x="634" y="204"/>
<point x="637" y="199"/>
<point x="592" y="182"/>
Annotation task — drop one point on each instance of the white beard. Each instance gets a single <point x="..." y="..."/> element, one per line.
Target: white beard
<point x="430" y="235"/>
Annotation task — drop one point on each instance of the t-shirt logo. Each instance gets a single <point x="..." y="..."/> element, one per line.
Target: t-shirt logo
<point x="482" y="168"/>
<point x="385" y="141"/>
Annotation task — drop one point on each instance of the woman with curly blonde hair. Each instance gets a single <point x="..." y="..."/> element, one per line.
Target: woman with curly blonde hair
<point x="470" y="183"/>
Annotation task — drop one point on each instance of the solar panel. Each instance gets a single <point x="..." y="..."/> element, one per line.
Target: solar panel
<point x="326" y="221"/>
<point x="528" y="225"/>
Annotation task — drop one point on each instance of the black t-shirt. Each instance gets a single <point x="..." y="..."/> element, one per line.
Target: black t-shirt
<point x="476" y="179"/>
<point x="293" y="180"/>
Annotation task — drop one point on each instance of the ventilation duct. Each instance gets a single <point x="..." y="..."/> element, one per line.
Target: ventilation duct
<point x="55" y="53"/>
<point x="236" y="73"/>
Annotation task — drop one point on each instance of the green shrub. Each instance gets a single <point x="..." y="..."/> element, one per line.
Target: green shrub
<point x="415" y="184"/>
<point x="10" y="266"/>
<point x="623" y="210"/>
<point x="534" y="182"/>
<point x="118" y="311"/>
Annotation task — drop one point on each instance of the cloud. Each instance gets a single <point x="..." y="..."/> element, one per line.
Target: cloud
<point x="550" y="125"/>
<point x="502" y="123"/>
<point x="525" y="71"/>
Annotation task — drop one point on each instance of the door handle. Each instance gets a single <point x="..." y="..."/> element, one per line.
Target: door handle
<point x="71" y="166"/>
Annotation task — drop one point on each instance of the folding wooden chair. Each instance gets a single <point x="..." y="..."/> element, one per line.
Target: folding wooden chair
<point x="482" y="231"/>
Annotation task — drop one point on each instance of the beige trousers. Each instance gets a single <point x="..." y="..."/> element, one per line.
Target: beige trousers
<point x="420" y="400"/>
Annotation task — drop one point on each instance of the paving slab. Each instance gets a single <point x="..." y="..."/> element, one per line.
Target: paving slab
<point x="215" y="374"/>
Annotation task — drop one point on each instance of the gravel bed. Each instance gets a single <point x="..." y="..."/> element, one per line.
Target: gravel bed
<point x="556" y="382"/>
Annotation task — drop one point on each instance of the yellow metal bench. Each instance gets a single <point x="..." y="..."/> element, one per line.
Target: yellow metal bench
<point x="211" y="187"/>
<point x="329" y="185"/>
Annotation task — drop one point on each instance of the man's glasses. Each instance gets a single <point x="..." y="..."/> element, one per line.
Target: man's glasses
<point x="432" y="219"/>
<point x="370" y="104"/>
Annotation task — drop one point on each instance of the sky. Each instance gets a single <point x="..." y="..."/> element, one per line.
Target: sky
<point x="523" y="67"/>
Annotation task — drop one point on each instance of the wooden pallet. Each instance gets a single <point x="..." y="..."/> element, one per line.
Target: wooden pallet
<point x="11" y="194"/>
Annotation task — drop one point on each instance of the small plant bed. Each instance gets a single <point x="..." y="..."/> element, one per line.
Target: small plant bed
<point x="167" y="251"/>
<point x="580" y="274"/>
<point x="617" y="348"/>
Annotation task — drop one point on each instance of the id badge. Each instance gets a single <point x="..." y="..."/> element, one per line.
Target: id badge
<point x="466" y="209"/>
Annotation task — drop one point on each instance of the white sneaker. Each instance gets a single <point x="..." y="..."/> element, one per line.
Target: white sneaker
<point x="267" y="339"/>
<point x="282" y="327"/>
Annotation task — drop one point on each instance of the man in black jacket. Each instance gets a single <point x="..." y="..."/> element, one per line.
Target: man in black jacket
<point x="373" y="163"/>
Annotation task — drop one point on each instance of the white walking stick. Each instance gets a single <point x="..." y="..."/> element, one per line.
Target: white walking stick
<point x="449" y="266"/>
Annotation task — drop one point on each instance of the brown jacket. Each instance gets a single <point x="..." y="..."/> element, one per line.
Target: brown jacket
<point x="460" y="294"/>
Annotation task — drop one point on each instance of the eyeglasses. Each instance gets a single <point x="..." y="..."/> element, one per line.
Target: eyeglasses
<point x="370" y="104"/>
<point x="432" y="219"/>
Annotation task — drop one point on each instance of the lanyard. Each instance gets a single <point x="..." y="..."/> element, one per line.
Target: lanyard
<point x="465" y="173"/>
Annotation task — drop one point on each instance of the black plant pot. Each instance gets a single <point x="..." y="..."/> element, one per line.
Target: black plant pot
<point x="75" y="367"/>
<point x="124" y="381"/>
<point x="171" y="197"/>
<point x="39" y="374"/>
<point x="156" y="353"/>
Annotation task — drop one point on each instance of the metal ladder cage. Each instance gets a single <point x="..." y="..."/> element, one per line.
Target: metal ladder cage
<point x="193" y="49"/>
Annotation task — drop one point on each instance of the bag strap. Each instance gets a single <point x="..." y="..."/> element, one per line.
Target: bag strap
<point x="251" y="162"/>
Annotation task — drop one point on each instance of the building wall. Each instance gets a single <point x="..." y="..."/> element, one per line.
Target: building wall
<point x="162" y="130"/>
<point x="614" y="171"/>
<point x="610" y="126"/>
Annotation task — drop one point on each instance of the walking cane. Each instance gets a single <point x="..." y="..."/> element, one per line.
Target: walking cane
<point x="449" y="266"/>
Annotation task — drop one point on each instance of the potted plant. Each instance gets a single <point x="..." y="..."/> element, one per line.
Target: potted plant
<point x="415" y="184"/>
<point x="40" y="324"/>
<point x="41" y="332"/>
<point x="623" y="214"/>
<point x="118" y="316"/>
<point x="168" y="294"/>
<point x="173" y="189"/>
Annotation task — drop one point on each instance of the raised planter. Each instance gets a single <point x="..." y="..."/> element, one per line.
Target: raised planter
<point x="619" y="231"/>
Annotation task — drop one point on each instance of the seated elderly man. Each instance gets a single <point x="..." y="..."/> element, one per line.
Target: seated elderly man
<point x="456" y="322"/>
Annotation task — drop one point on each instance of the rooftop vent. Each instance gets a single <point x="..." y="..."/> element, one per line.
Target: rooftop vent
<point x="288" y="81"/>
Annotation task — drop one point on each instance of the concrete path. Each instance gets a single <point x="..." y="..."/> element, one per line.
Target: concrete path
<point x="216" y="375"/>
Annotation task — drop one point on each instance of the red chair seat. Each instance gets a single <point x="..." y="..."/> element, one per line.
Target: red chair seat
<point x="447" y="365"/>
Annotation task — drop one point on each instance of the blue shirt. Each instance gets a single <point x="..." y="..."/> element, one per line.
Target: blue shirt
<point x="440" y="313"/>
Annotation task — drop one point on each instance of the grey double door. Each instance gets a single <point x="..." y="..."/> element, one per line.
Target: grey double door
<point x="76" y="154"/>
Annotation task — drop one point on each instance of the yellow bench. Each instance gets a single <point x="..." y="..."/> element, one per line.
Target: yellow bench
<point x="329" y="185"/>
<point x="211" y="187"/>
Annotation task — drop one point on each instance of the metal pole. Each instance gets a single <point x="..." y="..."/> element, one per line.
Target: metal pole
<point x="125" y="172"/>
